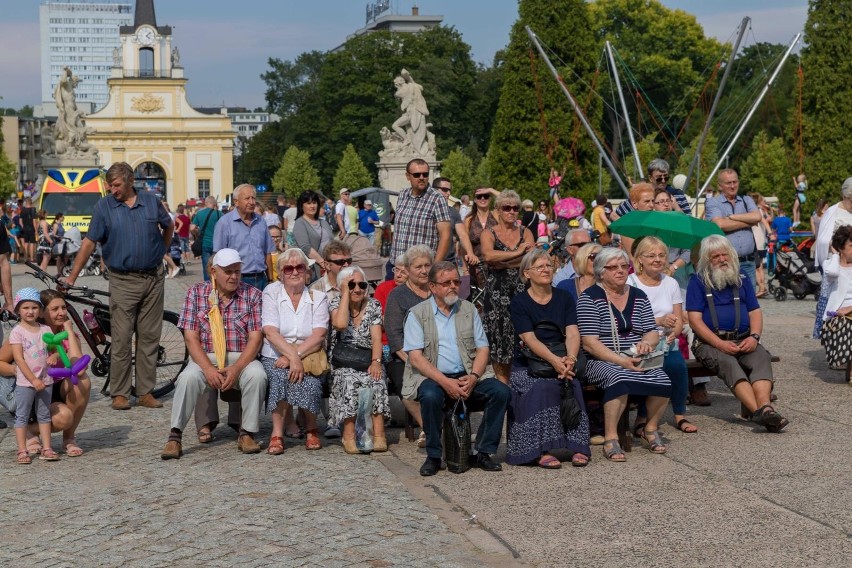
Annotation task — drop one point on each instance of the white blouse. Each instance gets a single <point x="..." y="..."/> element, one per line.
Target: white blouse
<point x="294" y="324"/>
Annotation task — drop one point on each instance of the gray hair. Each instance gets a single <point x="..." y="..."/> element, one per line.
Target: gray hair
<point x="239" y="189"/>
<point x="658" y="165"/>
<point x="349" y="271"/>
<point x="529" y="259"/>
<point x="400" y="260"/>
<point x="416" y="252"/>
<point x="570" y="239"/>
<point x="846" y="188"/>
<point x="506" y="195"/>
<point x="604" y="256"/>
<point x="287" y="255"/>
<point x="211" y="202"/>
<point x="709" y="245"/>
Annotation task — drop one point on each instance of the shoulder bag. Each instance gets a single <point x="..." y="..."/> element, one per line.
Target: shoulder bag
<point x="196" y="244"/>
<point x="538" y="367"/>
<point x="315" y="364"/>
<point x="349" y="356"/>
<point x="836" y="338"/>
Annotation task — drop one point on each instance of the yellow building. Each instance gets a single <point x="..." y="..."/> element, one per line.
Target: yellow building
<point x="148" y="123"/>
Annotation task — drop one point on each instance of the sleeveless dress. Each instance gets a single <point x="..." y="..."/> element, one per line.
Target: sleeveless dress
<point x="477" y="273"/>
<point x="501" y="285"/>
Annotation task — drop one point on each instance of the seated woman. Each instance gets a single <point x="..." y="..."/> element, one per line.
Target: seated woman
<point x="295" y="323"/>
<point x="356" y="319"/>
<point x="69" y="400"/>
<point x="838" y="275"/>
<point x="535" y="427"/>
<point x="650" y="260"/>
<point x="585" y="273"/>
<point x="614" y="317"/>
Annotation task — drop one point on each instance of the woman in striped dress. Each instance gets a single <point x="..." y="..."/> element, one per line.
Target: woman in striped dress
<point x="614" y="317"/>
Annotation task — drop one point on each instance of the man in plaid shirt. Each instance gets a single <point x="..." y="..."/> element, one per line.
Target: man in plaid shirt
<point x="422" y="216"/>
<point x="240" y="307"/>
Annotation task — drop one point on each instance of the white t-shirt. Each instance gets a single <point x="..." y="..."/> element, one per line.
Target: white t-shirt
<point x="290" y="218"/>
<point x="662" y="297"/>
<point x="340" y="209"/>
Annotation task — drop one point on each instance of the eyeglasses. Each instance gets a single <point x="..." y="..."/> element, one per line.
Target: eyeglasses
<point x="616" y="267"/>
<point x="659" y="256"/>
<point x="275" y="237"/>
<point x="419" y="174"/>
<point x="663" y="177"/>
<point x="443" y="189"/>
<point x="541" y="269"/>
<point x="298" y="269"/>
<point x="512" y="208"/>
<point x="362" y="285"/>
<point x="663" y="202"/>
<point x="456" y="282"/>
<point x="482" y="196"/>
<point x="341" y="261"/>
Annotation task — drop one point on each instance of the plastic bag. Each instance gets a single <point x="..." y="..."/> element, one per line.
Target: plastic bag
<point x="364" y="420"/>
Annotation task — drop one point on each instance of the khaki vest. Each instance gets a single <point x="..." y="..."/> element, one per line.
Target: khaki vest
<point x="464" y="339"/>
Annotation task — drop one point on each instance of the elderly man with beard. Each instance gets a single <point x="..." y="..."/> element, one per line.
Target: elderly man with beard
<point x="724" y="314"/>
<point x="448" y="356"/>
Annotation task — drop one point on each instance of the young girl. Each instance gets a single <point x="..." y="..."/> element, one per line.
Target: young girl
<point x="32" y="384"/>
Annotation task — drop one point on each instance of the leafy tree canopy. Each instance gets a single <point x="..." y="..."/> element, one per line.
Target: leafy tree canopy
<point x="296" y="173"/>
<point x="351" y="171"/>
<point x="458" y="168"/>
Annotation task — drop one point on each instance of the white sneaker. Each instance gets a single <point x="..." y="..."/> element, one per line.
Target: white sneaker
<point x="175" y="272"/>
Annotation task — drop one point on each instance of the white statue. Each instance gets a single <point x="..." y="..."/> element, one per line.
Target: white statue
<point x="411" y="135"/>
<point x="48" y="144"/>
<point x="70" y="132"/>
<point x="175" y="57"/>
<point x="116" y="57"/>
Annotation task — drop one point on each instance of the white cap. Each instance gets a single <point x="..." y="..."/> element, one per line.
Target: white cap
<point x="678" y="181"/>
<point x="227" y="257"/>
<point x="367" y="202"/>
<point x="344" y="190"/>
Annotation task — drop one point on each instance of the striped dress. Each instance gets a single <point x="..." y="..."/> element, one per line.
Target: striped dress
<point x="637" y="319"/>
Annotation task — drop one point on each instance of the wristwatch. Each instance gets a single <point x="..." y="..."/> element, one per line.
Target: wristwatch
<point x="379" y="361"/>
<point x="475" y="374"/>
<point x="756" y="337"/>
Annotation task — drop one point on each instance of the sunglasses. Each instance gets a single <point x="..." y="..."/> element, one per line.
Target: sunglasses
<point x="661" y="178"/>
<point x="341" y="261"/>
<point x="361" y="285"/>
<point x="444" y="189"/>
<point x="419" y="174"/>
<point x="298" y="269"/>
<point x="513" y="208"/>
<point x="456" y="282"/>
<point x="482" y="196"/>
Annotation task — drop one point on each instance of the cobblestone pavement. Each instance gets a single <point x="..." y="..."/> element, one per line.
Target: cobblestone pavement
<point x="727" y="496"/>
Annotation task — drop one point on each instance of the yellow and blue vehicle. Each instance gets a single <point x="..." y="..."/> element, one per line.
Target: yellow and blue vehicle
<point x="74" y="193"/>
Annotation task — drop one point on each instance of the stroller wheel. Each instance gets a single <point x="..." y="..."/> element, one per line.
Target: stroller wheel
<point x="780" y="294"/>
<point x="96" y="270"/>
<point x="66" y="270"/>
<point x="800" y="295"/>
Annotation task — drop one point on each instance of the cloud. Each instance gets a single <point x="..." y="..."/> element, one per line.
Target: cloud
<point x="20" y="63"/>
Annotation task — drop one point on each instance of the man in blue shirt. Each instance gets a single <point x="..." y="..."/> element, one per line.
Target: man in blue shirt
<point x="782" y="226"/>
<point x="246" y="232"/>
<point x="134" y="231"/>
<point x="367" y="221"/>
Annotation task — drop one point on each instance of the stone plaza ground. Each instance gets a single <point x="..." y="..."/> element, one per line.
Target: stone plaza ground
<point x="730" y="495"/>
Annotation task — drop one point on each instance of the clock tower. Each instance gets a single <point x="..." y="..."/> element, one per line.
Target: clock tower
<point x="176" y="151"/>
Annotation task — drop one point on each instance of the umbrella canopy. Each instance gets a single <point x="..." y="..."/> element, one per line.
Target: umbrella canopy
<point x="672" y="227"/>
<point x="217" y="328"/>
<point x="569" y="207"/>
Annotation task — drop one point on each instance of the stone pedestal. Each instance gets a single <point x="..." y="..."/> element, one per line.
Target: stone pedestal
<point x="392" y="173"/>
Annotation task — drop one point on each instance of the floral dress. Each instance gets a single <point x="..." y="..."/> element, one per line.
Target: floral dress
<point x="343" y="402"/>
<point x="501" y="286"/>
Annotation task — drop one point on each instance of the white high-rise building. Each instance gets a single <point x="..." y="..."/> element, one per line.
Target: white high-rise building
<point x="81" y="35"/>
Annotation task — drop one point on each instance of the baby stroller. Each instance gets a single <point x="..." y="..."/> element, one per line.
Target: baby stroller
<point x="71" y="241"/>
<point x="177" y="257"/>
<point x="364" y="255"/>
<point x="794" y="270"/>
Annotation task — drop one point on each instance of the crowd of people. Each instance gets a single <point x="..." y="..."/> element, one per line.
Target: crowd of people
<point x="283" y="318"/>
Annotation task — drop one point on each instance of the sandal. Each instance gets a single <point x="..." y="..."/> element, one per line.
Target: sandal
<point x="47" y="454"/>
<point x="613" y="451"/>
<point x="276" y="446"/>
<point x="638" y="428"/>
<point x="686" y="426"/>
<point x="205" y="436"/>
<point x="769" y="418"/>
<point x="23" y="458"/>
<point x="547" y="461"/>
<point x="72" y="450"/>
<point x="312" y="441"/>
<point x="34" y="446"/>
<point x="579" y="460"/>
<point x="653" y="441"/>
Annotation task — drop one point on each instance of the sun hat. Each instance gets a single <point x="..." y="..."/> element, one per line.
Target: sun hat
<point x="27" y="295"/>
<point x="226" y="257"/>
<point x="678" y="181"/>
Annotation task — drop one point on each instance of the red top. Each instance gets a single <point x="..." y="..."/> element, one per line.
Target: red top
<point x="184" y="228"/>
<point x="381" y="294"/>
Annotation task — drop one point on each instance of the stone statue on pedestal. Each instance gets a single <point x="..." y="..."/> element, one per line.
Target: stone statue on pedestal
<point x="70" y="133"/>
<point x="175" y="57"/>
<point x="410" y="136"/>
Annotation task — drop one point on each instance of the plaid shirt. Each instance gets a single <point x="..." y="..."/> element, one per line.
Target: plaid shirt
<point x="241" y="315"/>
<point x="416" y="219"/>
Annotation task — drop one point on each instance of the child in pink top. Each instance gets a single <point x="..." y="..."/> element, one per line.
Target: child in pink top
<point x="33" y="386"/>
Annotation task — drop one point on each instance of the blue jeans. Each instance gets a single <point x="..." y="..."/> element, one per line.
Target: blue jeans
<point x="675" y="368"/>
<point x="490" y="394"/>
<point x="205" y="258"/>
<point x="747" y="267"/>
<point x="258" y="282"/>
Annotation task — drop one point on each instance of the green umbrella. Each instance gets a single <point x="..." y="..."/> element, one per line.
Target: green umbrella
<point x="672" y="227"/>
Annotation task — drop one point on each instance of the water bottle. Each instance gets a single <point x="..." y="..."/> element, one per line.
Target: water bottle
<point x="94" y="327"/>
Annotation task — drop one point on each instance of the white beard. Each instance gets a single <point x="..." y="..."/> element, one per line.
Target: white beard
<point x="451" y="299"/>
<point x="724" y="277"/>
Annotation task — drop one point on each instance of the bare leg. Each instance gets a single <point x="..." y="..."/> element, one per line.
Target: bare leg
<point x="613" y="409"/>
<point x="378" y="426"/>
<point x="656" y="405"/>
<point x="413" y="408"/>
<point x="755" y="395"/>
<point x="348" y="429"/>
<point x="282" y="409"/>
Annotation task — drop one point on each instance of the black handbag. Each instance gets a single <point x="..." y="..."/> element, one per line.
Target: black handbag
<point x="195" y="248"/>
<point x="570" y="412"/>
<point x="456" y="436"/>
<point x="538" y="367"/>
<point x="349" y="356"/>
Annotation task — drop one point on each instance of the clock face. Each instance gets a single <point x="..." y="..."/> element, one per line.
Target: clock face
<point x="145" y="36"/>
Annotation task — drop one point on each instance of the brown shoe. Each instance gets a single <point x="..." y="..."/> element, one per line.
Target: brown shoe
<point x="120" y="403"/>
<point x="148" y="401"/>
<point x="699" y="396"/>
<point x="247" y="444"/>
<point x="172" y="451"/>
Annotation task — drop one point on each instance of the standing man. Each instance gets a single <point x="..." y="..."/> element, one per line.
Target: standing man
<point x="246" y="232"/>
<point x="367" y="221"/>
<point x="576" y="238"/>
<point x="658" y="176"/>
<point x="341" y="215"/>
<point x="735" y="215"/>
<point x="422" y="216"/>
<point x="202" y="227"/>
<point x="135" y="231"/>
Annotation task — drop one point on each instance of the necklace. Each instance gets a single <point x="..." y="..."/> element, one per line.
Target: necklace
<point x="357" y="312"/>
<point x="480" y="217"/>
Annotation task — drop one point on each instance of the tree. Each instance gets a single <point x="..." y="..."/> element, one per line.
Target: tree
<point x="649" y="149"/>
<point x="296" y="173"/>
<point x="765" y="170"/>
<point x="351" y="171"/>
<point x="827" y="101"/>
<point x="458" y="168"/>
<point x="482" y="177"/>
<point x="8" y="175"/>
<point x="534" y="129"/>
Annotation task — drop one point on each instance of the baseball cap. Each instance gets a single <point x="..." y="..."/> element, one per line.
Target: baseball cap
<point x="226" y="257"/>
<point x="344" y="190"/>
<point x="367" y="202"/>
<point x="27" y="295"/>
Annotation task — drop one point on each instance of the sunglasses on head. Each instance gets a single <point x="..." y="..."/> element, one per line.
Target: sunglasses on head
<point x="361" y="285"/>
<point x="514" y="208"/>
<point x="419" y="174"/>
<point x="341" y="261"/>
<point x="298" y="269"/>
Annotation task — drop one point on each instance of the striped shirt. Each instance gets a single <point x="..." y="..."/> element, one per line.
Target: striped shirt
<point x="416" y="220"/>
<point x="240" y="314"/>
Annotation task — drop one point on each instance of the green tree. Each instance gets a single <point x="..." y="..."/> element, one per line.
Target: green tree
<point x="296" y="173"/>
<point x="709" y="157"/>
<point x="458" y="168"/>
<point x="482" y="176"/>
<point x="765" y="170"/>
<point x="534" y="129"/>
<point x="8" y="175"/>
<point x="649" y="149"/>
<point x="351" y="171"/>
<point x="827" y="101"/>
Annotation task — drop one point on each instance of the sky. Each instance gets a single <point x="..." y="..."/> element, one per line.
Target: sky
<point x="225" y="45"/>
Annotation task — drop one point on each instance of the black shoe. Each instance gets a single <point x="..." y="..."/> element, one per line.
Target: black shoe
<point x="430" y="467"/>
<point x="484" y="461"/>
